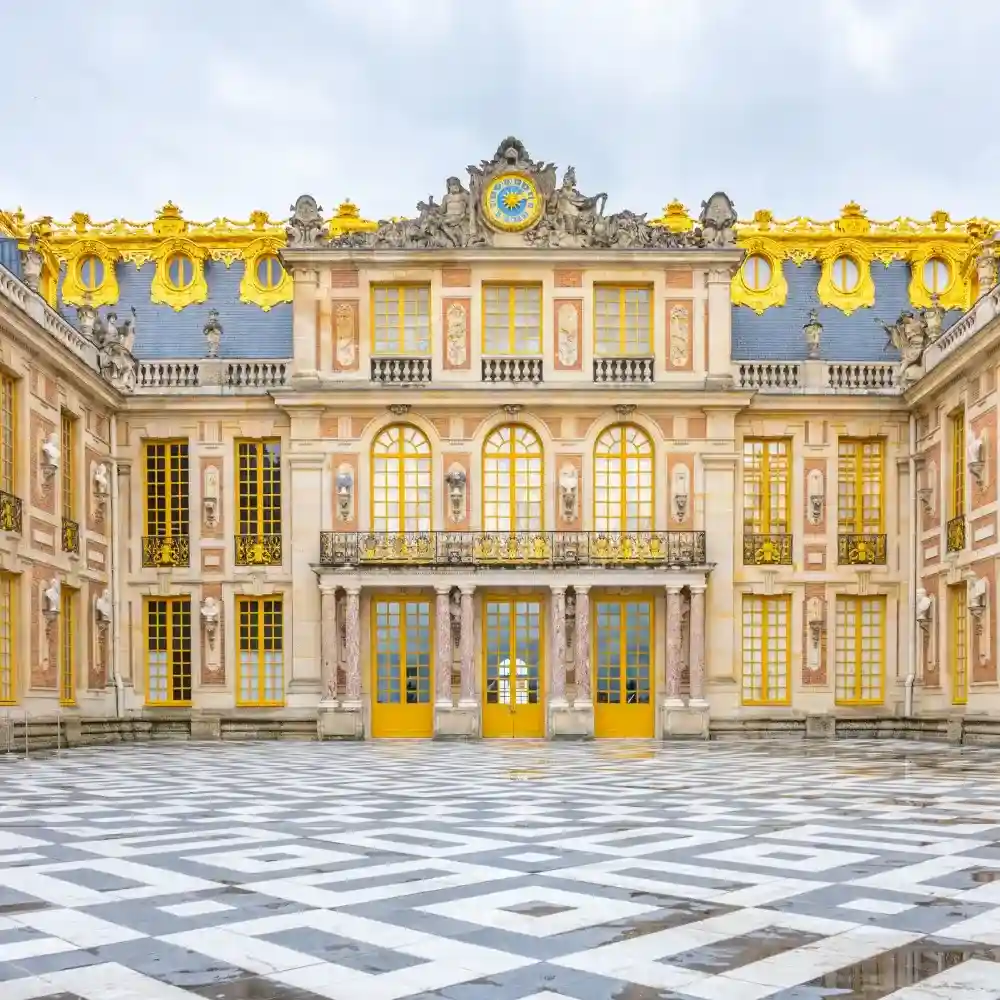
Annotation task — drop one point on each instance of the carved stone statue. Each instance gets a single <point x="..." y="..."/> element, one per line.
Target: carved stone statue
<point x="213" y="333"/>
<point x="718" y="221"/>
<point x="306" y="227"/>
<point x="210" y="612"/>
<point x="574" y="211"/>
<point x="51" y="453"/>
<point x="32" y="263"/>
<point x="101" y="479"/>
<point x="103" y="607"/>
<point x="51" y="598"/>
<point x="86" y="317"/>
<point x="568" y="488"/>
<point x="911" y="334"/>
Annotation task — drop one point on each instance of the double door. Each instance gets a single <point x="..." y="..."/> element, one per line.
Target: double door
<point x="622" y="683"/>
<point x="513" y="667"/>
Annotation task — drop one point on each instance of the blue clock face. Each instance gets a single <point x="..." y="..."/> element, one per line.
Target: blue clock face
<point x="511" y="202"/>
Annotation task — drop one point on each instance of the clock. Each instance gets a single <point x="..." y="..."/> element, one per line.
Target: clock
<point x="511" y="202"/>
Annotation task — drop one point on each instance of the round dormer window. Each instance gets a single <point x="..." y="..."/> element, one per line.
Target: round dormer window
<point x="757" y="272"/>
<point x="846" y="274"/>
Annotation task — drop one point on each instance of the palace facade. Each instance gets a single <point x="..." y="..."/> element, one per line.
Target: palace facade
<point x="516" y="467"/>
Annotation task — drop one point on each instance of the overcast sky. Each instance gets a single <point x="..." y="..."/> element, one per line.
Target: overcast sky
<point x="224" y="106"/>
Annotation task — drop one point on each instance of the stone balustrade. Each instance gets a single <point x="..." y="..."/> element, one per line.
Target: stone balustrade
<point x="211" y="375"/>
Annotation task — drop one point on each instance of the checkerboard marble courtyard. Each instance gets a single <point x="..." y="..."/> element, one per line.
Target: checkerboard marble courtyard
<point x="501" y="871"/>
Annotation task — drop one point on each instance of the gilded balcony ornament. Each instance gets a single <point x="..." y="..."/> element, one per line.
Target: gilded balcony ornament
<point x="166" y="551"/>
<point x="10" y="513"/>
<point x="258" y="550"/>
<point x="955" y="534"/>
<point x="70" y="536"/>
<point x="861" y="550"/>
<point x="395" y="548"/>
<point x="512" y="549"/>
<point x="767" y="550"/>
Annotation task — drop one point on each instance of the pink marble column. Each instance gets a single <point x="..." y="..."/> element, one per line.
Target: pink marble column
<point x="696" y="631"/>
<point x="674" y="651"/>
<point x="352" y="695"/>
<point x="467" y="646"/>
<point x="582" y="660"/>
<point x="557" y="630"/>
<point x="442" y="614"/>
<point x="328" y="643"/>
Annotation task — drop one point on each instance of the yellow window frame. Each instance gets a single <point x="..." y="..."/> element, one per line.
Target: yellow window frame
<point x="260" y="629"/>
<point x="8" y="432"/>
<point x="258" y="511"/>
<point x="860" y="464"/>
<point x="625" y="655"/>
<point x="769" y="663"/>
<point x="518" y="454"/>
<point x="67" y="646"/>
<point x="623" y="349"/>
<point x="8" y="639"/>
<point x="67" y="431"/>
<point x="421" y="464"/>
<point x="173" y="634"/>
<point x="401" y="647"/>
<point x="407" y="292"/>
<point x="958" y="642"/>
<point x="850" y="648"/>
<point x="513" y="348"/>
<point x="644" y="457"/>
<point x="168" y="515"/>
<point x="958" y="463"/>
<point x="767" y="462"/>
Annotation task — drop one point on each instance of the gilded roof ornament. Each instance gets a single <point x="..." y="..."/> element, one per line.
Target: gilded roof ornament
<point x="675" y="218"/>
<point x="169" y="221"/>
<point x="853" y="221"/>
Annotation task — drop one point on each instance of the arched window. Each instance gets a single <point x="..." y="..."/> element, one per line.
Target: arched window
<point x="513" y="486"/>
<point x="623" y="480"/>
<point x="401" y="480"/>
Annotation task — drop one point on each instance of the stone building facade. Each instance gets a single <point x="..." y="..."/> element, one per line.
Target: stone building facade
<point x="517" y="467"/>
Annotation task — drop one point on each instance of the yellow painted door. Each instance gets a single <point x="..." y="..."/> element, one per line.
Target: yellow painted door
<point x="402" y="667"/>
<point x="623" y="669"/>
<point x="513" y="668"/>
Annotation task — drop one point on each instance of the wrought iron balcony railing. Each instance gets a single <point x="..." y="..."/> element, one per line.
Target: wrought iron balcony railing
<point x="165" y="551"/>
<point x="70" y="536"/>
<point x="767" y="550"/>
<point x="10" y="513"/>
<point x="538" y="548"/>
<point x="258" y="550"/>
<point x="955" y="540"/>
<point x="861" y="550"/>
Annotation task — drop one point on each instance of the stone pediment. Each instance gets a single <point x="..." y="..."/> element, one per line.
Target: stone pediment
<point x="512" y="199"/>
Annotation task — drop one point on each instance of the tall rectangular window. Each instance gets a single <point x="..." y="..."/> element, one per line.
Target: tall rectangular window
<point x="258" y="502"/>
<point x="766" y="464"/>
<point x="861" y="467"/>
<point x="860" y="650"/>
<point x="512" y="319"/>
<point x="624" y="652"/>
<point x="8" y="615"/>
<point x="8" y="433"/>
<point x="168" y="650"/>
<point x="623" y="320"/>
<point x="958" y="642"/>
<point x="766" y="650"/>
<point x="402" y="640"/>
<point x="167" y="489"/>
<point x="401" y="319"/>
<point x="261" y="651"/>
<point x="68" y="456"/>
<point x="957" y="500"/>
<point x="67" y="646"/>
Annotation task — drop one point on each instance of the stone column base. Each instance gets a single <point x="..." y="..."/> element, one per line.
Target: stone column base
<point x="571" y="722"/>
<point x="206" y="727"/>
<point x="688" y="722"/>
<point x="343" y="721"/>
<point x="456" y="722"/>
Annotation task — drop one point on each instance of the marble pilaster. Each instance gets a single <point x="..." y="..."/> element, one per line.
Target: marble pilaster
<point x="328" y="644"/>
<point x="582" y="652"/>
<point x="352" y="694"/>
<point x="674" y="652"/>
<point x="557" y="632"/>
<point x="467" y="647"/>
<point x="442" y="675"/>
<point x="696" y="631"/>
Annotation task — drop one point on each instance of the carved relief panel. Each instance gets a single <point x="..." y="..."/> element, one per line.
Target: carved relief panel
<point x="567" y="323"/>
<point x="345" y="336"/>
<point x="680" y="346"/>
<point x="456" y="353"/>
